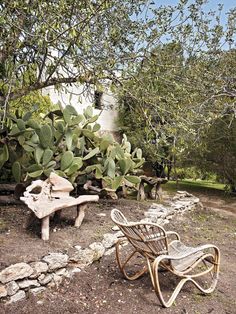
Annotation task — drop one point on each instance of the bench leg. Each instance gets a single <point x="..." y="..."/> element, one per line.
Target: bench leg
<point x="80" y="215"/>
<point x="45" y="228"/>
<point x="141" y="192"/>
<point x="158" y="192"/>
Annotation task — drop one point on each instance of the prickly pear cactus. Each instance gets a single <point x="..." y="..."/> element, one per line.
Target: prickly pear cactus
<point x="69" y="144"/>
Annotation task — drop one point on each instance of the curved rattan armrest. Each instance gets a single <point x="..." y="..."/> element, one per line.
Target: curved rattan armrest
<point x="189" y="253"/>
<point x="170" y="233"/>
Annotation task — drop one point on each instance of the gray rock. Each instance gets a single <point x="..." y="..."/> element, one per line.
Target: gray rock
<point x="78" y="247"/>
<point x="110" y="251"/>
<point x="57" y="279"/>
<point x="3" y="291"/>
<point x="38" y="290"/>
<point x="12" y="288"/>
<point x="16" y="271"/>
<point x="27" y="283"/>
<point x="83" y="257"/>
<point x="45" y="279"/>
<point x="98" y="250"/>
<point x="169" y="217"/>
<point x="109" y="240"/>
<point x="101" y="215"/>
<point x="17" y="297"/>
<point x="56" y="260"/>
<point x="115" y="228"/>
<point x="74" y="270"/>
<point x="61" y="272"/>
<point x="38" y="267"/>
<point x="154" y="214"/>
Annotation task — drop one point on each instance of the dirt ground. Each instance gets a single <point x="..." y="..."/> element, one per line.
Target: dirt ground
<point x="100" y="287"/>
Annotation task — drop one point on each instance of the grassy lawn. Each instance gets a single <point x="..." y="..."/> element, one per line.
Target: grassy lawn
<point x="200" y="186"/>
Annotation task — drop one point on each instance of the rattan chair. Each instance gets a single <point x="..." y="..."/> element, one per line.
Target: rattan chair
<point x="161" y="252"/>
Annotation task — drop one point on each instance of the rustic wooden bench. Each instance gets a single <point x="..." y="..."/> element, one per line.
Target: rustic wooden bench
<point x="152" y="183"/>
<point x="52" y="195"/>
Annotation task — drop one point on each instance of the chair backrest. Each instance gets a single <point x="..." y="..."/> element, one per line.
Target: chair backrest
<point x="147" y="238"/>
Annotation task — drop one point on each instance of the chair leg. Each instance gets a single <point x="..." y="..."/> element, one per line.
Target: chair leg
<point x="157" y="288"/>
<point x="122" y="265"/>
<point x="154" y="272"/>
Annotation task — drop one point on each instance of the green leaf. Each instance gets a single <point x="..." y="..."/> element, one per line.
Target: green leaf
<point x="51" y="164"/>
<point x="35" y="174"/>
<point x="119" y="152"/>
<point x="93" y="119"/>
<point x="47" y="156"/>
<point x="60" y="127"/>
<point x="4" y="155"/>
<point x="34" y="168"/>
<point x="45" y="136"/>
<point x="96" y="127"/>
<point x="14" y="131"/>
<point x="21" y="139"/>
<point x="48" y="171"/>
<point x="111" y="167"/>
<point x="98" y="172"/>
<point x="92" y="153"/>
<point x="38" y="154"/>
<point x="125" y="165"/>
<point x="78" y="161"/>
<point x="33" y="124"/>
<point x="104" y="145"/>
<point x="68" y="112"/>
<point x="16" y="171"/>
<point x="60" y="173"/>
<point x="78" y="119"/>
<point x="34" y="139"/>
<point x="28" y="148"/>
<point x="68" y="136"/>
<point x="117" y="182"/>
<point x="20" y="124"/>
<point x="72" y="169"/>
<point x="66" y="160"/>
<point x="139" y="153"/>
<point x="88" y="112"/>
<point x="133" y="179"/>
<point x="88" y="133"/>
<point x="71" y="110"/>
<point x="27" y="116"/>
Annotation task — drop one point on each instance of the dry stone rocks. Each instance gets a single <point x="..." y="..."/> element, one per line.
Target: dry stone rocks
<point x="37" y="290"/>
<point x="98" y="250"/>
<point x="162" y="214"/>
<point x="18" y="296"/>
<point x="16" y="271"/>
<point x="27" y="283"/>
<point x="38" y="268"/>
<point x="12" y="287"/>
<point x="110" y="239"/>
<point x="3" y="291"/>
<point x="56" y="260"/>
<point x="45" y="279"/>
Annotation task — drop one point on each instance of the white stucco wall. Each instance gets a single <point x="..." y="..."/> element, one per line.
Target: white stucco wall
<point x="80" y="98"/>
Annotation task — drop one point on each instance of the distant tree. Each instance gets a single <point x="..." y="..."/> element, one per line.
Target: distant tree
<point x="216" y="152"/>
<point x="173" y="99"/>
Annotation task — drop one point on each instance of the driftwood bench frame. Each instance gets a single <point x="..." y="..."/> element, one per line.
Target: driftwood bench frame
<point x="153" y="183"/>
<point x="53" y="195"/>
